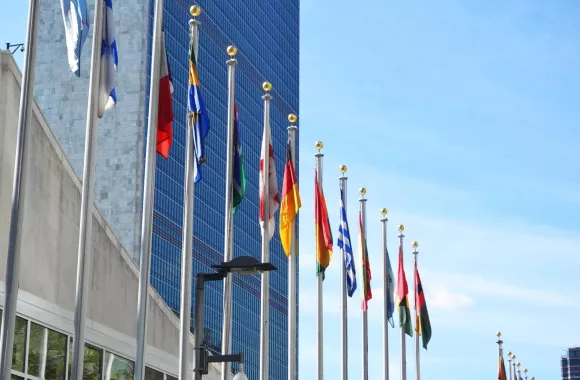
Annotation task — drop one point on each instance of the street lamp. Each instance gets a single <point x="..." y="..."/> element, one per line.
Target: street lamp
<point x="239" y="265"/>
<point x="16" y="46"/>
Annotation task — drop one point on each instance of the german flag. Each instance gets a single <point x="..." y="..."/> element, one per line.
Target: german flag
<point x="290" y="201"/>
<point x="322" y="229"/>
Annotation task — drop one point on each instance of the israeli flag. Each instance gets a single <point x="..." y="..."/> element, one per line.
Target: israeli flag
<point x="76" y="30"/>
<point x="109" y="60"/>
<point x="344" y="244"/>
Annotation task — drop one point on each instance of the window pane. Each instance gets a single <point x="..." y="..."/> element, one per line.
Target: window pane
<point x="151" y="374"/>
<point x="19" y="345"/>
<point x="117" y="368"/>
<point x="171" y="378"/>
<point x="14" y="377"/>
<point x="46" y="355"/>
<point x="93" y="362"/>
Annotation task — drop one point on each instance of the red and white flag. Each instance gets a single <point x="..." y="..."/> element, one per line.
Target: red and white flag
<point x="273" y="196"/>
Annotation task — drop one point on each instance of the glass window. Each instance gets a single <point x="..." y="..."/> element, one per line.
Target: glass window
<point x="93" y="362"/>
<point x="19" y="345"/>
<point x="46" y="354"/>
<point x="171" y="378"/>
<point x="117" y="368"/>
<point x="151" y="374"/>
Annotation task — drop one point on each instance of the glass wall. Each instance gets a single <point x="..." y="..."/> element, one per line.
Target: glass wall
<point x="41" y="353"/>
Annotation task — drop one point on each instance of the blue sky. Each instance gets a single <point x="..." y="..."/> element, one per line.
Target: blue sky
<point x="459" y="117"/>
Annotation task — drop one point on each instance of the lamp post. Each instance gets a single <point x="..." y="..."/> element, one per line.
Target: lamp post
<point x="15" y="46"/>
<point x="239" y="265"/>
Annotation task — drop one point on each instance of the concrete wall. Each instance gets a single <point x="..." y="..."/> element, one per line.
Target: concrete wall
<point x="62" y="98"/>
<point x="51" y="205"/>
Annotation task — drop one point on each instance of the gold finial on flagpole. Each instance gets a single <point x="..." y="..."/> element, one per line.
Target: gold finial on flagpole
<point x="514" y="358"/>
<point x="343" y="169"/>
<point x="363" y="191"/>
<point x="518" y="364"/>
<point x="319" y="145"/>
<point x="510" y="354"/>
<point x="292" y="118"/>
<point x="384" y="212"/>
<point x="401" y="228"/>
<point x="267" y="86"/>
<point x="195" y="10"/>
<point x="232" y="51"/>
<point x="415" y="245"/>
<point x="498" y="334"/>
<point x="526" y="371"/>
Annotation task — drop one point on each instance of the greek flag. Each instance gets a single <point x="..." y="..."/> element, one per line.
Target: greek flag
<point x="109" y="60"/>
<point x="76" y="30"/>
<point x="344" y="244"/>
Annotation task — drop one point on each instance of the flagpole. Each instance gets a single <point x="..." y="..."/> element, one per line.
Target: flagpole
<point x="21" y="162"/>
<point x="344" y="307"/>
<point x="86" y="219"/>
<point x="320" y="309"/>
<point x="148" y="195"/>
<point x="292" y="318"/>
<point x="265" y="301"/>
<point x="499" y="347"/>
<point x="519" y="371"/>
<point x="365" y="327"/>
<point x="229" y="213"/>
<point x="510" y="363"/>
<point x="514" y="366"/>
<point x="386" y="292"/>
<point x="401" y="228"/>
<point x="526" y="374"/>
<point x="417" y="321"/>
<point x="185" y="370"/>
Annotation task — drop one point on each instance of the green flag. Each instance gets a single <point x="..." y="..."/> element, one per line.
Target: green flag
<point x="239" y="182"/>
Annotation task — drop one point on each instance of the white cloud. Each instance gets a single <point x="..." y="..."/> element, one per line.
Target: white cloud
<point x="440" y="297"/>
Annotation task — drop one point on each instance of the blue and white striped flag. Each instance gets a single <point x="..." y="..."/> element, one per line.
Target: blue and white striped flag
<point x="344" y="244"/>
<point x="109" y="60"/>
<point x="76" y="30"/>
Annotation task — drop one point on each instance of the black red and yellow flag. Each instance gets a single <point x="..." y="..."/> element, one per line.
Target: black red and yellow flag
<point x="290" y="202"/>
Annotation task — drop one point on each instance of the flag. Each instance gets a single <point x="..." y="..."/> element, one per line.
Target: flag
<point x="501" y="375"/>
<point x="165" y="112"/>
<point x="344" y="243"/>
<point x="290" y="201"/>
<point x="366" y="269"/>
<point x="390" y="292"/>
<point x="403" y="296"/>
<point x="322" y="229"/>
<point x="198" y="117"/>
<point x="273" y="196"/>
<point x="239" y="182"/>
<point x="422" y="323"/>
<point x="76" y="30"/>
<point x="109" y="60"/>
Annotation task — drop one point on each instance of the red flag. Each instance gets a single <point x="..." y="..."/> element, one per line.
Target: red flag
<point x="165" y="113"/>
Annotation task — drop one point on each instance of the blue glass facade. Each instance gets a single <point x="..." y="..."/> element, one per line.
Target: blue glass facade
<point x="571" y="364"/>
<point x="266" y="34"/>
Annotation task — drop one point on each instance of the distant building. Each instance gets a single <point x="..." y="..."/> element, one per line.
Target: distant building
<point x="571" y="364"/>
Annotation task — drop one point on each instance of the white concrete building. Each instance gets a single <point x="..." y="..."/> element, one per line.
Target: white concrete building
<point x="51" y="207"/>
